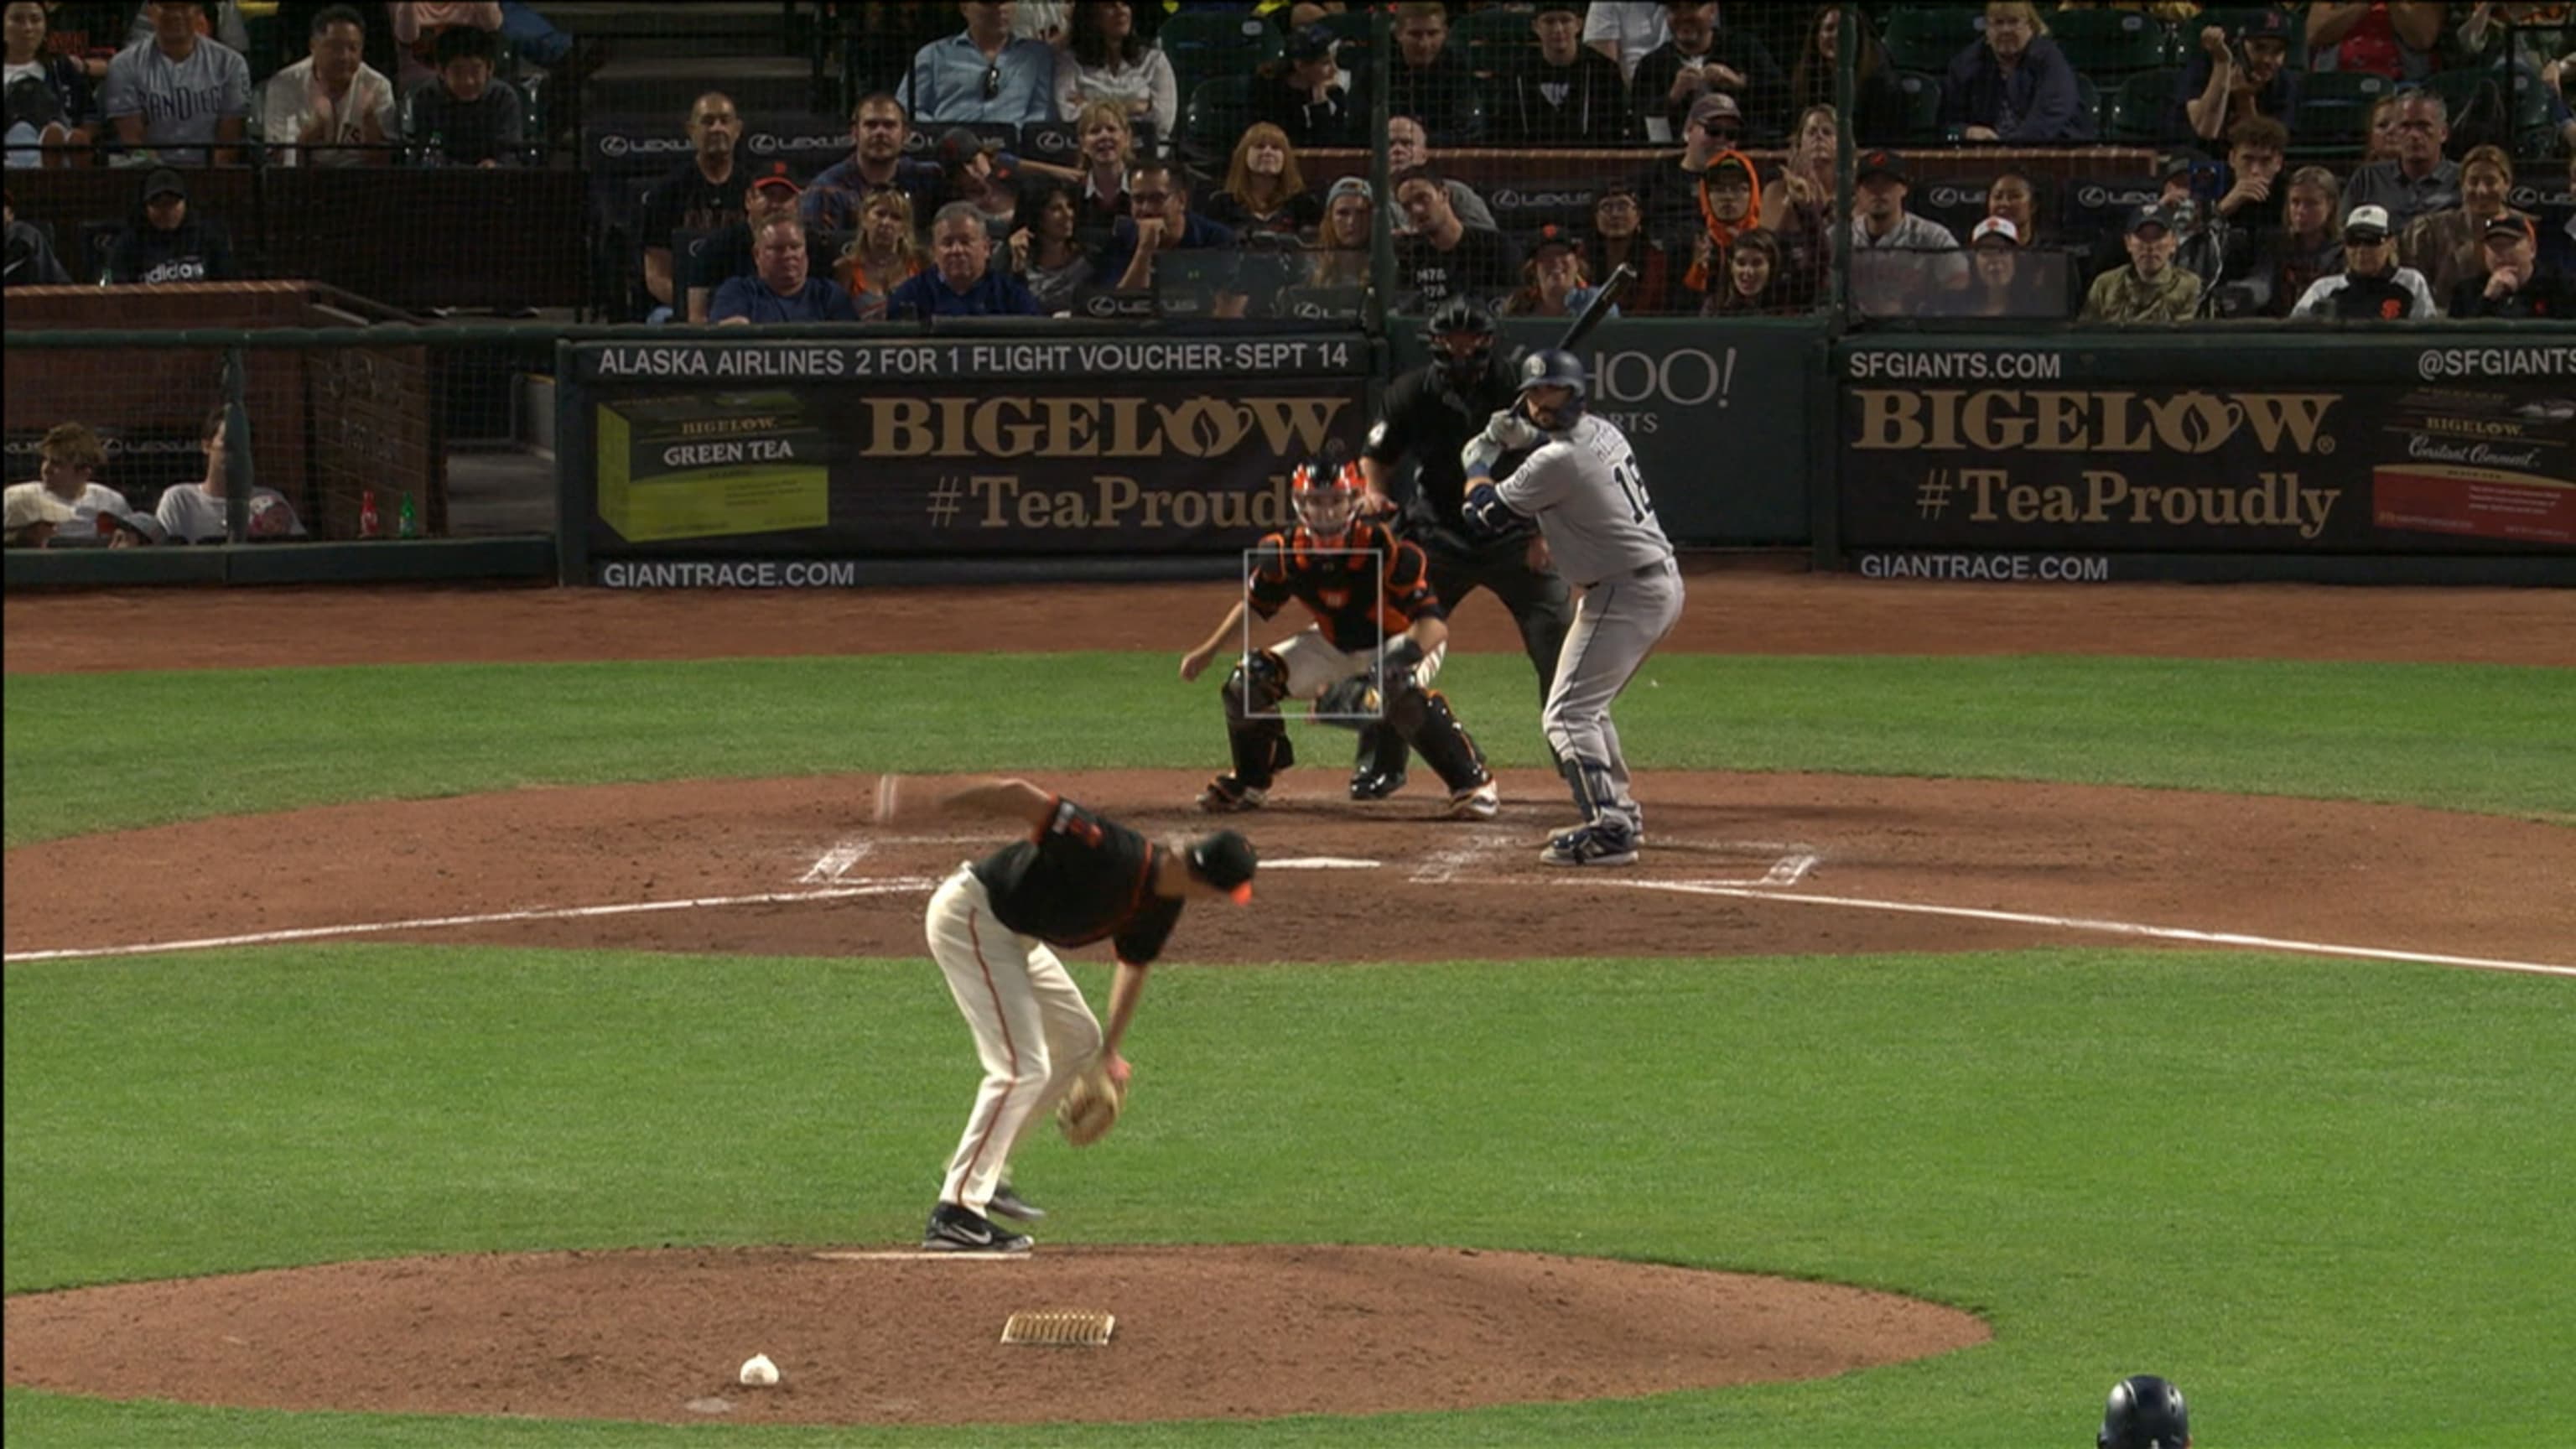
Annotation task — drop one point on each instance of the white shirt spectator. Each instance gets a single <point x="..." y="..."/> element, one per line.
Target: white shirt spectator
<point x="291" y="100"/>
<point x="190" y="514"/>
<point x="1149" y="78"/>
<point x="180" y="101"/>
<point x="1636" y="29"/>
<point x="1048" y="21"/>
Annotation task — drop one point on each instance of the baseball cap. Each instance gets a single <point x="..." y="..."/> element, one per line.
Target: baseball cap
<point x="1879" y="163"/>
<point x="2510" y="226"/>
<point x="2148" y="216"/>
<point x="1551" y="238"/>
<point x="1349" y="186"/>
<point x="164" y="182"/>
<point x="1226" y="860"/>
<point x="1716" y="106"/>
<point x="1311" y="42"/>
<point x="777" y="176"/>
<point x="2175" y="162"/>
<point x="2269" y="23"/>
<point x="1996" y="226"/>
<point x="960" y="142"/>
<point x="2366" y="223"/>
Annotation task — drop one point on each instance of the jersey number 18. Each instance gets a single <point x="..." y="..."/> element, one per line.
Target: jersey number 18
<point x="1640" y="507"/>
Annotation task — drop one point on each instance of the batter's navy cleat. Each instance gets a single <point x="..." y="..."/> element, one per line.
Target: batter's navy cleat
<point x="1476" y="802"/>
<point x="1596" y="844"/>
<point x="955" y="1230"/>
<point x="1376" y="784"/>
<point x="1225" y="795"/>
<point x="1008" y="1203"/>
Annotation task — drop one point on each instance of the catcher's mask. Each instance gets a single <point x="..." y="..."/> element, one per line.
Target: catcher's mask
<point x="1461" y="338"/>
<point x="1327" y="496"/>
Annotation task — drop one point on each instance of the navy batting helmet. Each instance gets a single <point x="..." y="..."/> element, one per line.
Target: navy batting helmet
<point x="2145" y="1412"/>
<point x="1554" y="367"/>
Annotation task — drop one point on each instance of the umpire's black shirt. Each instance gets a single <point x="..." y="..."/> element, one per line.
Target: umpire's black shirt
<point x="1429" y="419"/>
<point x="1077" y="878"/>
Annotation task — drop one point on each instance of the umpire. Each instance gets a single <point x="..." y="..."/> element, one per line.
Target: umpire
<point x="1431" y="413"/>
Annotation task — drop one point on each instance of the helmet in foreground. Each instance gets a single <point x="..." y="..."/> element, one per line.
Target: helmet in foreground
<point x="2145" y="1412"/>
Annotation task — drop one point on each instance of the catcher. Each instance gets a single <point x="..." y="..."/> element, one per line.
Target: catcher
<point x="1077" y="878"/>
<point x="1363" y="584"/>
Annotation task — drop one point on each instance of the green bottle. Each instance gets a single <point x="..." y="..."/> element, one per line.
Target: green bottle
<point x="407" y="525"/>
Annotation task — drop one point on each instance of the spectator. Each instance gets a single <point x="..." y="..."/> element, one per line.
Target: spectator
<point x="1553" y="280"/>
<point x="2418" y="180"/>
<point x="1619" y="239"/>
<point x="2014" y="86"/>
<point x="1439" y="256"/>
<point x="164" y="243"/>
<point x="2382" y="145"/>
<point x="2394" y="38"/>
<point x="1044" y="21"/>
<point x="2235" y="77"/>
<point x="961" y="281"/>
<point x="31" y="254"/>
<point x="2005" y="274"/>
<point x="1755" y="281"/>
<point x="1158" y="221"/>
<point x="1729" y="207"/>
<point x="2515" y="285"/>
<point x="1899" y="261"/>
<point x="1108" y="61"/>
<point x="2014" y="196"/>
<point x="71" y="456"/>
<point x="49" y="98"/>
<point x="1263" y="189"/>
<point x="1806" y="177"/>
<point x="1670" y="189"/>
<point x="178" y="93"/>
<point x="1879" y="102"/>
<point x="2257" y="149"/>
<point x="2531" y="60"/>
<point x="330" y="108"/>
<point x="417" y="25"/>
<point x="194" y="512"/>
<point x="782" y="287"/>
<point x="1408" y="148"/>
<point x="2308" y="245"/>
<point x="1563" y="94"/>
<point x="2449" y="246"/>
<point x="1303" y="93"/>
<point x="1046" y="254"/>
<point x="2150" y="288"/>
<point x="979" y="173"/>
<point x="2372" y="286"/>
<point x="1108" y="149"/>
<point x="884" y="254"/>
<point x="703" y="193"/>
<point x="2144" y="1412"/>
<point x="1702" y="59"/>
<point x="1343" y="242"/>
<point x="733" y="252"/>
<point x="982" y="73"/>
<point x="33" y="515"/>
<point x="878" y="131"/>
<point x="1429" y="80"/>
<point x="1625" y="32"/>
<point x="219" y="20"/>
<point x="467" y="116"/>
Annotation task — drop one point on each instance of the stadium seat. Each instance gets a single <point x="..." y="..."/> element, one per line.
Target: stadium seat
<point x="1926" y="37"/>
<point x="2136" y="114"/>
<point x="2334" y="107"/>
<point x="2088" y="96"/>
<point x="1219" y="110"/>
<point x="2108" y="43"/>
<point x="1498" y="24"/>
<point x="1351" y="27"/>
<point x="1217" y="30"/>
<point x="2528" y="131"/>
<point x="1922" y="105"/>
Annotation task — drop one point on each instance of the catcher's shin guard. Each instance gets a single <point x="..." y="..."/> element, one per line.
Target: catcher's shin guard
<point x="1423" y="717"/>
<point x="1253" y="728"/>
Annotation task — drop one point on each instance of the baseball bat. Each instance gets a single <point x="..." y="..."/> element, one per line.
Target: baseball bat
<point x="1598" y="308"/>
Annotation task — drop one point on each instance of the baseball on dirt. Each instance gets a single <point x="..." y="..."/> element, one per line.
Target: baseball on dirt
<point x="758" y="1371"/>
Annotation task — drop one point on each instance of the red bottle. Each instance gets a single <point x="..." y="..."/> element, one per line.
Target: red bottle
<point x="369" y="526"/>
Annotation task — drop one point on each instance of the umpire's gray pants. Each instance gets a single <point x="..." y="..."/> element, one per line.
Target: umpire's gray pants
<point x="1617" y="623"/>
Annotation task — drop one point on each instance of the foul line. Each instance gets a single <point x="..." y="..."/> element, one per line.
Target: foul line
<point x="2079" y="923"/>
<point x="428" y="923"/>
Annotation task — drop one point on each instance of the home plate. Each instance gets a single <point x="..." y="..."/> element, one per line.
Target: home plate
<point x="1319" y="862"/>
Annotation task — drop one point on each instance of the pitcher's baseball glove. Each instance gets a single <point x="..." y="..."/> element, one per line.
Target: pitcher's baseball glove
<point x="1091" y="1107"/>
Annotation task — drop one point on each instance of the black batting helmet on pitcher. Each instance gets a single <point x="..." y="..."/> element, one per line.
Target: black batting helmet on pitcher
<point x="2145" y="1412"/>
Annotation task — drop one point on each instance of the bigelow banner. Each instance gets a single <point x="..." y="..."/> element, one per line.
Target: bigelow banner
<point x="993" y="447"/>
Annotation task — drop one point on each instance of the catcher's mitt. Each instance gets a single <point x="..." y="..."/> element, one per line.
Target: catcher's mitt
<point x="1091" y="1107"/>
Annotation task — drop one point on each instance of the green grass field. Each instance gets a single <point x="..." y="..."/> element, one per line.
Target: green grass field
<point x="2327" y="1197"/>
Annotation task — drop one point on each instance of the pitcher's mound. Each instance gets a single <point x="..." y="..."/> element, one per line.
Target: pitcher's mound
<point x="1202" y="1332"/>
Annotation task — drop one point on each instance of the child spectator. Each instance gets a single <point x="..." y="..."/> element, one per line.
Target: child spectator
<point x="49" y="100"/>
<point x="71" y="456"/>
<point x="179" y="93"/>
<point x="1563" y="93"/>
<point x="194" y="512"/>
<point x="2014" y="86"/>
<point x="163" y="242"/>
<point x="1106" y="60"/>
<point x="467" y="116"/>
<point x="330" y="108"/>
<point x="1263" y="189"/>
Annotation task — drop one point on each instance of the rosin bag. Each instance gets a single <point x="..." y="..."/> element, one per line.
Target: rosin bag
<point x="710" y="465"/>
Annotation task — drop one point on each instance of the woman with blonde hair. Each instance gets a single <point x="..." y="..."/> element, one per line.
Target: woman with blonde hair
<point x="1107" y="143"/>
<point x="883" y="253"/>
<point x="1263" y="190"/>
<point x="1553" y="281"/>
<point x="1342" y="242"/>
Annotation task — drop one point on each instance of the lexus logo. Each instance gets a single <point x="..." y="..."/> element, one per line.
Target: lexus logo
<point x="1509" y="198"/>
<point x="1955" y="196"/>
<point x="1101" y="304"/>
<point x="1055" y="142"/>
<point x="2097" y="197"/>
<point x="612" y="145"/>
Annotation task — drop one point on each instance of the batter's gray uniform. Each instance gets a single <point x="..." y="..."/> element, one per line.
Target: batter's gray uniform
<point x="1584" y="488"/>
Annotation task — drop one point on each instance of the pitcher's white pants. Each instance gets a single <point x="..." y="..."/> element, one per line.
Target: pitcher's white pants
<point x="1033" y="1031"/>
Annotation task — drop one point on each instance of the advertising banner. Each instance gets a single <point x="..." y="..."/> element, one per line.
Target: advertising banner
<point x="995" y="447"/>
<point x="2445" y="450"/>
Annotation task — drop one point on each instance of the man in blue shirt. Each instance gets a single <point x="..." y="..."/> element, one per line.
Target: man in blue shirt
<point x="1158" y="220"/>
<point x="782" y="290"/>
<point x="981" y="73"/>
<point x="961" y="281"/>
